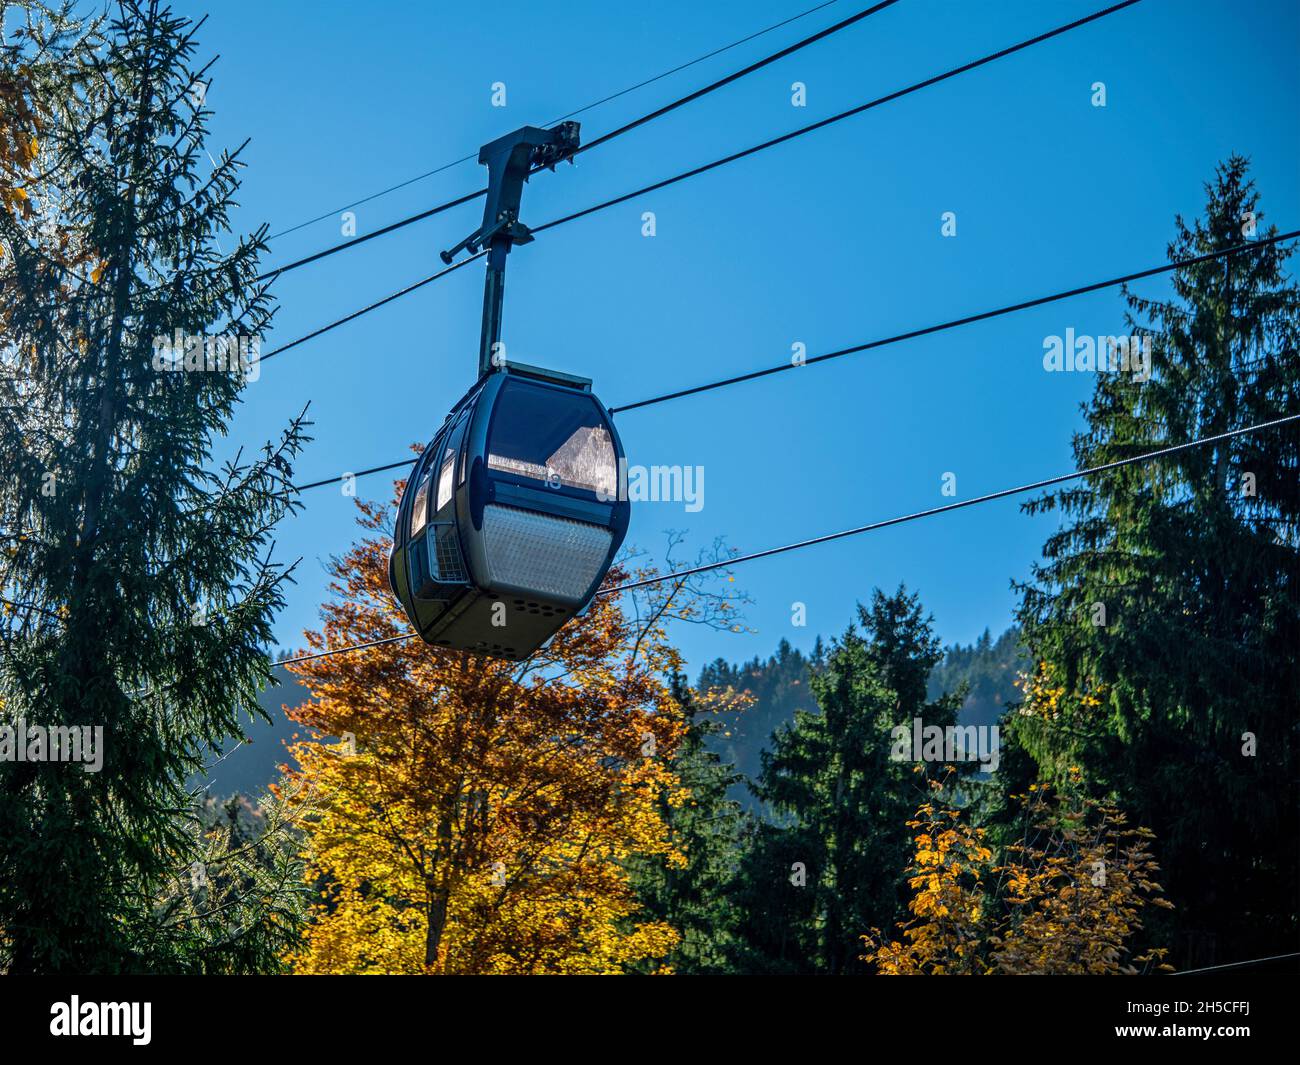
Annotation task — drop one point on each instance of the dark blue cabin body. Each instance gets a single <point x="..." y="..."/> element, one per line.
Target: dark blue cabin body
<point x="511" y="517"/>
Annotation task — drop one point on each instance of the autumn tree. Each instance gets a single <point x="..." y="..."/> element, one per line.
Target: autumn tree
<point x="1065" y="898"/>
<point x="44" y="63"/>
<point x="20" y="127"/>
<point x="135" y="573"/>
<point x="830" y="861"/>
<point x="477" y="815"/>
<point x="1164" y="620"/>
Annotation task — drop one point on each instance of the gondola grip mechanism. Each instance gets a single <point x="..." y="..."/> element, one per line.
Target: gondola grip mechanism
<point x="510" y="160"/>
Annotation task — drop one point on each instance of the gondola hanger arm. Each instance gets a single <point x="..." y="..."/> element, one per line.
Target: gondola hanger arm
<point x="510" y="160"/>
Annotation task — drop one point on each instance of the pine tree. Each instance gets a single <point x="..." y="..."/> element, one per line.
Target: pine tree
<point x="138" y="591"/>
<point x="831" y="865"/>
<point x="1164" y="622"/>
<point x="703" y="826"/>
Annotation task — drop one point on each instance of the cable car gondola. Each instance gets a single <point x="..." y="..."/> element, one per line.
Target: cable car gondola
<point x="511" y="517"/>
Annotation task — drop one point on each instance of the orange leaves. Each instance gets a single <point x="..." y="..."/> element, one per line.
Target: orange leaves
<point x="482" y="822"/>
<point x="18" y="144"/>
<point x="1066" y="898"/>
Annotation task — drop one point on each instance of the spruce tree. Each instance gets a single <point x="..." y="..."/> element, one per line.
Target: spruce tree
<point x="136" y="576"/>
<point x="703" y="824"/>
<point x="1164" y="621"/>
<point x="830" y="866"/>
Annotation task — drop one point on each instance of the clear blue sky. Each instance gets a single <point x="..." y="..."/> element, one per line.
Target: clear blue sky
<point x="830" y="240"/>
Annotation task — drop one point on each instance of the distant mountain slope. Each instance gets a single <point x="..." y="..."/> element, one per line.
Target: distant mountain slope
<point x="780" y="687"/>
<point x="990" y="667"/>
<point x="249" y="768"/>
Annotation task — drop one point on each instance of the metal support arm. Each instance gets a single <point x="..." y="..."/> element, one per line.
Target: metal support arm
<point x="510" y="161"/>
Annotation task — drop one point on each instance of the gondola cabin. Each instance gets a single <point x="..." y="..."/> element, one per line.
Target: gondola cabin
<point x="511" y="516"/>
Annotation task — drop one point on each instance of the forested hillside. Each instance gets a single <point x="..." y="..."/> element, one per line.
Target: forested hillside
<point x="780" y="687"/>
<point x="989" y="667"/>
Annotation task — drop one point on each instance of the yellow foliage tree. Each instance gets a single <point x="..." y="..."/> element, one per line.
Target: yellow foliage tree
<point x="42" y="64"/>
<point x="947" y="933"/>
<point x="476" y="815"/>
<point x="1066" y="898"/>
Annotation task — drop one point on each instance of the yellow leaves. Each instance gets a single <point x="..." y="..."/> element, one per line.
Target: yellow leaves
<point x="18" y="149"/>
<point x="98" y="272"/>
<point x="1066" y="899"/>
<point x="16" y="200"/>
<point x="508" y="807"/>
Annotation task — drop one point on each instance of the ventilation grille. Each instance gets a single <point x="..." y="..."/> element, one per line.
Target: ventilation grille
<point x="444" y="548"/>
<point x="547" y="556"/>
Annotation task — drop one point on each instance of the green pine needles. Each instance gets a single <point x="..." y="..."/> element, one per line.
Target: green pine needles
<point x="136" y="570"/>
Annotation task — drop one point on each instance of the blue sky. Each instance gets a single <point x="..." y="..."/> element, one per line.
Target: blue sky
<point x="830" y="240"/>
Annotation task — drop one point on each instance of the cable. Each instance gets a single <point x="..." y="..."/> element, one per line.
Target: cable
<point x="373" y="196"/>
<point x="968" y="320"/>
<point x="898" y="338"/>
<point x="1234" y="964"/>
<point x="1002" y="494"/>
<point x="370" y="236"/>
<point x="813" y="127"/>
<point x="595" y="103"/>
<point x="359" y="473"/>
<point x="721" y="82"/>
<point x="366" y="310"/>
<point x="340" y="650"/>
<point x="700" y="169"/>
<point x="900" y="520"/>
<point x="843" y="24"/>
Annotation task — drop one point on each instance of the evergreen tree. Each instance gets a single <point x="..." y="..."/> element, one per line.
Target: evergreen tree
<point x="138" y="591"/>
<point x="831" y="865"/>
<point x="1164" y="621"/>
<point x="703" y="826"/>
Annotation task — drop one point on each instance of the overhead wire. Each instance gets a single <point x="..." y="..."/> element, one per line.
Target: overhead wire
<point x="671" y="180"/>
<point x="581" y="110"/>
<point x="842" y="115"/>
<point x="1039" y="301"/>
<point x="635" y="124"/>
<point x="1033" y="486"/>
<point x="373" y="306"/>
<point x="970" y="319"/>
<point x="1235" y="964"/>
<point x="737" y="75"/>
